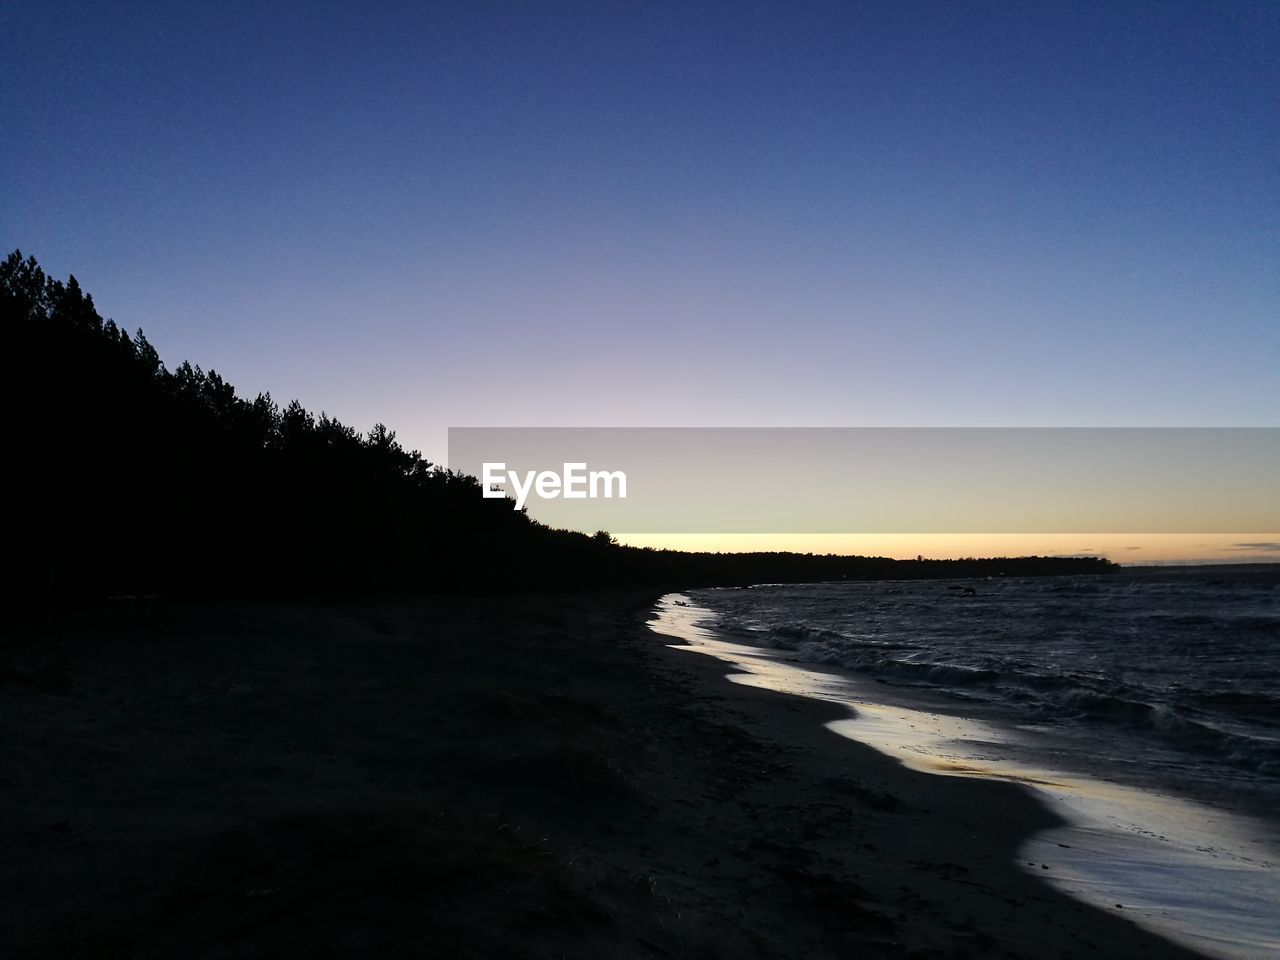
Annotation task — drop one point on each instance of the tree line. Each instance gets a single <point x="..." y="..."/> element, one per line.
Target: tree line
<point x="128" y="477"/>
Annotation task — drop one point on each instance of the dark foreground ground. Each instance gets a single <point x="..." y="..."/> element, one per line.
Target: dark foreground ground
<point x="536" y="778"/>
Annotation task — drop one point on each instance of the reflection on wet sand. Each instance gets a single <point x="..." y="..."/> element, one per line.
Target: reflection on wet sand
<point x="1184" y="870"/>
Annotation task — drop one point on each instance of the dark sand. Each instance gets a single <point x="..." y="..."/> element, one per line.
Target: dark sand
<point x="526" y="778"/>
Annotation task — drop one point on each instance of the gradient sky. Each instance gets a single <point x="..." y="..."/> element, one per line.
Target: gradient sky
<point x="609" y="214"/>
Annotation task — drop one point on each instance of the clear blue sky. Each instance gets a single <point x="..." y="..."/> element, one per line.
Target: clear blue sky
<point x="669" y="213"/>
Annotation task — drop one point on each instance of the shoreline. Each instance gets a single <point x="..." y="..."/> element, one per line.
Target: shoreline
<point x="966" y="853"/>
<point x="1183" y="871"/>
<point x="529" y="777"/>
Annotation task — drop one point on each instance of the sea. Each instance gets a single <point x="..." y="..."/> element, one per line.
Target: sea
<point x="1143" y="705"/>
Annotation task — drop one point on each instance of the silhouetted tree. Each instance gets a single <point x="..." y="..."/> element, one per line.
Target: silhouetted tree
<point x="129" y="478"/>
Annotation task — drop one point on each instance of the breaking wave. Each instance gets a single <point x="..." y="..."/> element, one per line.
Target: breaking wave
<point x="1183" y="660"/>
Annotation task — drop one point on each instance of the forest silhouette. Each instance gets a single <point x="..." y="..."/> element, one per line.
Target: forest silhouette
<point x="129" y="478"/>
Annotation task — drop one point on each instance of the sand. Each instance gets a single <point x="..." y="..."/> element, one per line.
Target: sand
<point x="520" y="778"/>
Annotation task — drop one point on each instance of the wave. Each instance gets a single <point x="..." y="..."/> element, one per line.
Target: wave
<point x="1188" y="719"/>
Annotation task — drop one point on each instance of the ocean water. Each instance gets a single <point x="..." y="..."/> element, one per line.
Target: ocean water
<point x="1167" y="677"/>
<point x="1144" y="706"/>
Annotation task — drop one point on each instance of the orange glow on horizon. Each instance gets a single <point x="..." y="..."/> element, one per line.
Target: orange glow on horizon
<point x="1122" y="548"/>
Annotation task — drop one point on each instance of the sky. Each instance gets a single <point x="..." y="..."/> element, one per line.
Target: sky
<point x="669" y="214"/>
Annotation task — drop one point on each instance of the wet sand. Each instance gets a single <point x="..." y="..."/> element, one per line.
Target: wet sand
<point x="524" y="778"/>
<point x="1194" y="873"/>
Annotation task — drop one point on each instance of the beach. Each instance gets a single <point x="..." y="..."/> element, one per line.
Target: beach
<point x="536" y="777"/>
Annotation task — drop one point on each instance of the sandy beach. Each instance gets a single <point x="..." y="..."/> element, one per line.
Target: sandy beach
<point x="519" y="778"/>
<point x="633" y="481"/>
